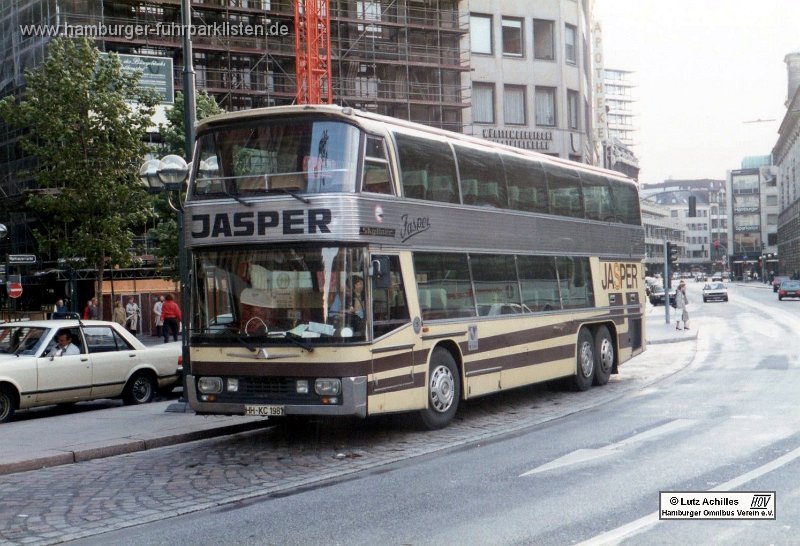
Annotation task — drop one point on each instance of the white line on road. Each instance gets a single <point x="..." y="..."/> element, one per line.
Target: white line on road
<point x="584" y="455"/>
<point x="616" y="535"/>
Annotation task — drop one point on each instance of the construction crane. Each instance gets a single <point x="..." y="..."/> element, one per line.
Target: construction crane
<point x="312" y="43"/>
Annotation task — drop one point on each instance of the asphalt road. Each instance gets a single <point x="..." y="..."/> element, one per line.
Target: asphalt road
<point x="728" y="421"/>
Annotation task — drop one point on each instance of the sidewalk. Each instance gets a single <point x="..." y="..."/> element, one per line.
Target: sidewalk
<point x="65" y="439"/>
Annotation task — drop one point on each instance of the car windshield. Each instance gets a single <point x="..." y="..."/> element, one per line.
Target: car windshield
<point x="715" y="286"/>
<point x="280" y="294"/>
<point x="21" y="339"/>
<point x="790" y="285"/>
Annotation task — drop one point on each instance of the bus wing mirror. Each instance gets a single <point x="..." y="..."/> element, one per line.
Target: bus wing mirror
<point x="380" y="272"/>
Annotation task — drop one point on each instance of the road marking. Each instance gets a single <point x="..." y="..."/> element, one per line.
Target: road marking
<point x="616" y="535"/>
<point x="584" y="455"/>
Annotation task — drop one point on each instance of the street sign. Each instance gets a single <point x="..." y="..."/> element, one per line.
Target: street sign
<point x="21" y="259"/>
<point x="14" y="290"/>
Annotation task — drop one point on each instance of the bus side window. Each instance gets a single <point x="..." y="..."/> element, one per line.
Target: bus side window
<point x="389" y="308"/>
<point x="376" y="167"/>
<point x="422" y="163"/>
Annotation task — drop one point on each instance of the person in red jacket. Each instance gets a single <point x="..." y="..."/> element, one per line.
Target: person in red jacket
<point x="171" y="315"/>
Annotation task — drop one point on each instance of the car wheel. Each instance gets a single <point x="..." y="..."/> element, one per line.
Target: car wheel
<point x="779" y="298"/>
<point x="705" y="300"/>
<point x="7" y="404"/>
<point x="604" y="356"/>
<point x="584" y="368"/>
<point x="141" y="389"/>
<point x="444" y="391"/>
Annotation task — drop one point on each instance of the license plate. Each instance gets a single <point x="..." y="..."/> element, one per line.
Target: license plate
<point x="264" y="411"/>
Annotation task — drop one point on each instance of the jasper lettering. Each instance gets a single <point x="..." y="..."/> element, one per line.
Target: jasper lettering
<point x="414" y="226"/>
<point x="247" y="224"/>
<point x="618" y="276"/>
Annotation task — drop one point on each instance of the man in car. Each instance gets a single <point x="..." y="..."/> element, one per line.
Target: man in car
<point x="65" y="346"/>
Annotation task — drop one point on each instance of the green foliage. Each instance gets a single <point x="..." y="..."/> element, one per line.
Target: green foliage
<point x="88" y="139"/>
<point x="173" y="133"/>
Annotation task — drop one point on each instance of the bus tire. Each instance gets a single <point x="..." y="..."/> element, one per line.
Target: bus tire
<point x="604" y="356"/>
<point x="585" y="362"/>
<point x="443" y="391"/>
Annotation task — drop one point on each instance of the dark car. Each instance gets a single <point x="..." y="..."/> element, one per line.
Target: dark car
<point x="777" y="280"/>
<point x="657" y="295"/>
<point x="789" y="289"/>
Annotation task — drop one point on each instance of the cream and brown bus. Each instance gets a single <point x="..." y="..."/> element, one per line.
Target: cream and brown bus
<point x="345" y="263"/>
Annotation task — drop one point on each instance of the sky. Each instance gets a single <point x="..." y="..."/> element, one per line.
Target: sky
<point x="705" y="71"/>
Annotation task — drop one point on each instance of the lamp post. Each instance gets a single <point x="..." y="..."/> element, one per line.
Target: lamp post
<point x="168" y="176"/>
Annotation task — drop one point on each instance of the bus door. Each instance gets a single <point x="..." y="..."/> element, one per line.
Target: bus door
<point x="394" y="339"/>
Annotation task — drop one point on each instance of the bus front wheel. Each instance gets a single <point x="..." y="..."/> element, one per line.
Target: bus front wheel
<point x="584" y="373"/>
<point x="444" y="391"/>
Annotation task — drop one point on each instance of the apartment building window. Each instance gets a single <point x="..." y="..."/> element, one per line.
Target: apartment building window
<point x="512" y="37"/>
<point x="572" y="109"/>
<point x="514" y="105"/>
<point x="546" y="106"/>
<point x="571" y="44"/>
<point x="543" y="40"/>
<point x="483" y="102"/>
<point x="480" y="34"/>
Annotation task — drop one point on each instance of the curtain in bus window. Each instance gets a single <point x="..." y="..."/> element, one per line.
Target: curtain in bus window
<point x="427" y="169"/>
<point x="564" y="191"/>
<point x="626" y="202"/>
<point x="575" y="282"/>
<point x="537" y="277"/>
<point x="443" y="285"/>
<point x="597" y="198"/>
<point x="482" y="181"/>
<point x="527" y="186"/>
<point x="496" y="286"/>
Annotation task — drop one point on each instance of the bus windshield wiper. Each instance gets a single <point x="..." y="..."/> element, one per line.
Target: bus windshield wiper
<point x="293" y="194"/>
<point x="295" y="339"/>
<point x="238" y="199"/>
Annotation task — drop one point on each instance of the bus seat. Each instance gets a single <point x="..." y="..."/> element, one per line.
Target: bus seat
<point x="489" y="194"/>
<point x="469" y="191"/>
<point x="415" y="184"/>
<point x="441" y="189"/>
<point x="432" y="302"/>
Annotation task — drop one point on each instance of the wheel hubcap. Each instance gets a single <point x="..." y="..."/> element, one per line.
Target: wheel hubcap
<point x="442" y="389"/>
<point x="606" y="355"/>
<point x="141" y="389"/>
<point x="587" y="359"/>
<point x="5" y="406"/>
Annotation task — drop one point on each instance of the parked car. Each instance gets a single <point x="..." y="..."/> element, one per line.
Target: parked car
<point x="108" y="362"/>
<point x="789" y="289"/>
<point x="777" y="280"/>
<point x="657" y="295"/>
<point x="715" y="291"/>
<point x="700" y="277"/>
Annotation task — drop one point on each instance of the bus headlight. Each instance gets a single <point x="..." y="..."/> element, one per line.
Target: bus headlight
<point x="301" y="386"/>
<point x="328" y="387"/>
<point x="232" y="384"/>
<point x="209" y="385"/>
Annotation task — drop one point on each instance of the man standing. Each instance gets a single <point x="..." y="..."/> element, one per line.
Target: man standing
<point x="171" y="314"/>
<point x="132" y="313"/>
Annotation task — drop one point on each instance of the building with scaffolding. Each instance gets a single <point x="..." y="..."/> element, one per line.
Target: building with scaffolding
<point x="402" y="58"/>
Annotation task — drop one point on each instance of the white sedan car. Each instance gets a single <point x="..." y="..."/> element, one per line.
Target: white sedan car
<point x="109" y="363"/>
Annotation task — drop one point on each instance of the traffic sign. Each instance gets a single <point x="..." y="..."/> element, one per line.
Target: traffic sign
<point x="14" y="290"/>
<point x="21" y="258"/>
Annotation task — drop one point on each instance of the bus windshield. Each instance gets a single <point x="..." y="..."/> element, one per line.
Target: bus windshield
<point x="281" y="156"/>
<point x="309" y="294"/>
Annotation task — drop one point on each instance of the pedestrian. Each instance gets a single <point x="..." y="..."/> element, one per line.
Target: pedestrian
<point x="119" y="315"/>
<point x="94" y="309"/>
<point x="157" y="314"/>
<point x="132" y="315"/>
<point x="59" y="307"/>
<point x="171" y="315"/>
<point x="681" y="301"/>
<point x="87" y="311"/>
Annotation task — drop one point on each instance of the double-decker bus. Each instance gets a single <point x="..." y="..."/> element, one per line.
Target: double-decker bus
<point x="346" y="263"/>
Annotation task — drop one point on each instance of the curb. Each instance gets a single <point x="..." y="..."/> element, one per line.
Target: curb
<point x="132" y="446"/>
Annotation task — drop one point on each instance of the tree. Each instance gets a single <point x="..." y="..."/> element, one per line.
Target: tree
<point x="165" y="234"/>
<point x="173" y="133"/>
<point x="88" y="138"/>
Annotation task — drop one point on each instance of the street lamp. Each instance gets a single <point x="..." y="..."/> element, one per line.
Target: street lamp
<point x="169" y="176"/>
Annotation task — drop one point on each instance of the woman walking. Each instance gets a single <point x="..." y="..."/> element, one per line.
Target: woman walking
<point x="681" y="301"/>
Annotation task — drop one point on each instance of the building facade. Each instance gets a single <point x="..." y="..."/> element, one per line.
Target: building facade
<point x="620" y="102"/>
<point x="786" y="156"/>
<point x="531" y="74"/>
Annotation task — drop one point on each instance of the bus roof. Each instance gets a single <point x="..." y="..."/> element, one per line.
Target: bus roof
<point x="346" y="112"/>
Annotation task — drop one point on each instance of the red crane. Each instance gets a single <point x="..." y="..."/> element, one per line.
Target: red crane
<point x="312" y="43"/>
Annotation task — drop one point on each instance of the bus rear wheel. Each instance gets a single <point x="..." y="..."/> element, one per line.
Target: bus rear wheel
<point x="604" y="353"/>
<point x="585" y="362"/>
<point x="444" y="391"/>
